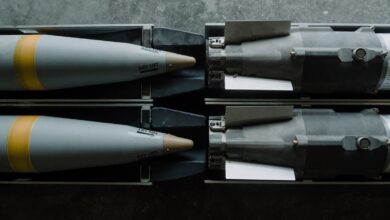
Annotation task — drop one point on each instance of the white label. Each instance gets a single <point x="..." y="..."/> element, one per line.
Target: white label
<point x="253" y="171"/>
<point x="256" y="83"/>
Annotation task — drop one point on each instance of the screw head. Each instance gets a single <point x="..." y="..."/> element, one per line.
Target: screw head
<point x="359" y="54"/>
<point x="363" y="143"/>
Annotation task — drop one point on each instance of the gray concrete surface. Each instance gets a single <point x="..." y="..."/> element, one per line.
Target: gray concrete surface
<point x="189" y="15"/>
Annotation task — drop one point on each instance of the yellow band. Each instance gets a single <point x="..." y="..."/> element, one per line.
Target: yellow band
<point x="18" y="144"/>
<point x="24" y="62"/>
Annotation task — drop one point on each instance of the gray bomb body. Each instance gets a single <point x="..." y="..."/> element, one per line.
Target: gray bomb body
<point x="42" y="144"/>
<point x="45" y="62"/>
<point x="316" y="143"/>
<point x="314" y="59"/>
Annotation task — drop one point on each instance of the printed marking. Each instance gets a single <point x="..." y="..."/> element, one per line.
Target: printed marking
<point x="24" y="62"/>
<point x="147" y="132"/>
<point x="148" y="68"/>
<point x="18" y="144"/>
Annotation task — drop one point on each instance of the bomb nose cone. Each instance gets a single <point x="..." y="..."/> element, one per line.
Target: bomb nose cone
<point x="176" y="61"/>
<point x="173" y="143"/>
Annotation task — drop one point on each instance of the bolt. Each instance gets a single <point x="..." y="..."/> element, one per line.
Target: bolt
<point x="359" y="54"/>
<point x="292" y="52"/>
<point x="363" y="143"/>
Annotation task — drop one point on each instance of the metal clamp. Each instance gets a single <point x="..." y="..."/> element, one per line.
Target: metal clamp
<point x="144" y="172"/>
<point x="147" y="39"/>
<point x="147" y="35"/>
<point x="146" y="117"/>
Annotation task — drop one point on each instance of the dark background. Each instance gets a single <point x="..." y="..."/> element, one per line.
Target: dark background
<point x="193" y="200"/>
<point x="190" y="199"/>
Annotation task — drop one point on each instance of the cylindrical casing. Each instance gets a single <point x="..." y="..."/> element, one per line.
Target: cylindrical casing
<point x="317" y="143"/>
<point x="45" y="62"/>
<point x="314" y="59"/>
<point x="41" y="144"/>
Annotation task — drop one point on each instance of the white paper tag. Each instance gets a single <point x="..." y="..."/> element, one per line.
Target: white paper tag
<point x="253" y="171"/>
<point x="255" y="83"/>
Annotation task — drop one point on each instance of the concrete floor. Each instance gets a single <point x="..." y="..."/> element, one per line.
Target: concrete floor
<point x="190" y="200"/>
<point x="190" y="15"/>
